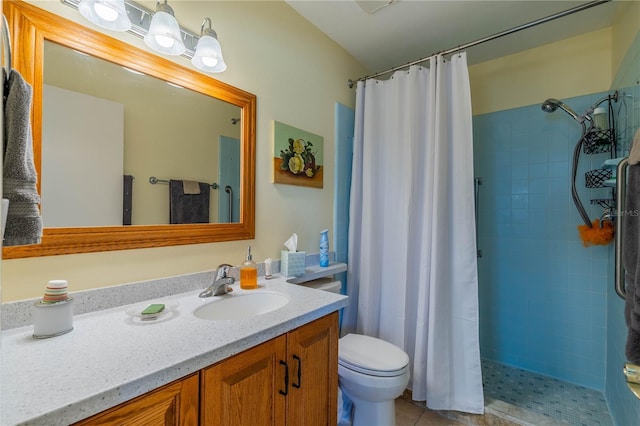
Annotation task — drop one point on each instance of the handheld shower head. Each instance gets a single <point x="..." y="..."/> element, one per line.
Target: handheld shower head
<point x="551" y="104"/>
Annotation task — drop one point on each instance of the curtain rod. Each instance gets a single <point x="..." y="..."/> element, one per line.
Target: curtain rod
<point x="488" y="38"/>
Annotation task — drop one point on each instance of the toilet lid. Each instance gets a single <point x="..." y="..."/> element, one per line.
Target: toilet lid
<point x="370" y="355"/>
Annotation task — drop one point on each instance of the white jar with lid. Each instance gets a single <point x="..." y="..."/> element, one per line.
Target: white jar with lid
<point x="52" y="319"/>
<point x="53" y="315"/>
<point x="600" y="118"/>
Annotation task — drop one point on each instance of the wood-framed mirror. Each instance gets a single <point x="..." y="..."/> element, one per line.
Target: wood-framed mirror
<point x="31" y="30"/>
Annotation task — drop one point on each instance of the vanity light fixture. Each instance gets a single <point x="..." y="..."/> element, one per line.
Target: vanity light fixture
<point x="174" y="41"/>
<point x="208" y="55"/>
<point x="109" y="14"/>
<point x="164" y="32"/>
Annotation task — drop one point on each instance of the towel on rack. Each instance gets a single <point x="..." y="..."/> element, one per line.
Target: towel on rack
<point x="188" y="208"/>
<point x="24" y="223"/>
<point x="634" y="154"/>
<point x="127" y="199"/>
<point x="631" y="263"/>
<point x="190" y="187"/>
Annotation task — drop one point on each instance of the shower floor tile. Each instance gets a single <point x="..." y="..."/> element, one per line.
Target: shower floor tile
<point x="566" y="402"/>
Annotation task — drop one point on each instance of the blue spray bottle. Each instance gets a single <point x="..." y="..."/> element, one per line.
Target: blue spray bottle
<point x="324" y="248"/>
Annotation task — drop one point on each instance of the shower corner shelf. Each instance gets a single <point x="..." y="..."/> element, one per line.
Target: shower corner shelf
<point x="605" y="203"/>
<point x="598" y="141"/>
<point x="597" y="178"/>
<point x="611" y="163"/>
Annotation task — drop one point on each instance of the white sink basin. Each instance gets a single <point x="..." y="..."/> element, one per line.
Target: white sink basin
<point x="241" y="306"/>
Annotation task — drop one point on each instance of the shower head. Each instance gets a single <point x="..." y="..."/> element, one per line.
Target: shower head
<point x="550" y="105"/>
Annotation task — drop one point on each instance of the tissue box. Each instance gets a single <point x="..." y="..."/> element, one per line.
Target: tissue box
<point x="292" y="263"/>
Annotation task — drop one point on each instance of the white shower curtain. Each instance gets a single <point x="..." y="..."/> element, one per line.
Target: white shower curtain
<point x="412" y="276"/>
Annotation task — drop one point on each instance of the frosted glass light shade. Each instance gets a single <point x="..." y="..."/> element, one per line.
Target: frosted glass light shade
<point x="109" y="14"/>
<point x="164" y="34"/>
<point x="208" y="55"/>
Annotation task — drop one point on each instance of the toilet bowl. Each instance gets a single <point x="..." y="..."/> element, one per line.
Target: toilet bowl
<point x="372" y="373"/>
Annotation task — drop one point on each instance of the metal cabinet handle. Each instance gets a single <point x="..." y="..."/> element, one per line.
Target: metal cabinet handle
<point x="286" y="379"/>
<point x="621" y="189"/>
<point x="297" y="358"/>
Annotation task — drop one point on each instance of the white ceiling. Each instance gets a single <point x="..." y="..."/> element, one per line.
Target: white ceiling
<point x="407" y="30"/>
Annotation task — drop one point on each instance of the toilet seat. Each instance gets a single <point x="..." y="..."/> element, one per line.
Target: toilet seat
<point x="371" y="356"/>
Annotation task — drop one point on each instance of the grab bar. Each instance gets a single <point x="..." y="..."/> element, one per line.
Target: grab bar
<point x="621" y="189"/>
<point x="229" y="190"/>
<point x="476" y="183"/>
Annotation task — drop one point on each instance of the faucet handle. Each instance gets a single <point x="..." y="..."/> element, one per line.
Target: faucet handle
<point x="223" y="271"/>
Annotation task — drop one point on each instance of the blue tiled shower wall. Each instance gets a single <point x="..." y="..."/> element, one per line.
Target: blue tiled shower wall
<point x="547" y="303"/>
<point x="542" y="294"/>
<point x="345" y="121"/>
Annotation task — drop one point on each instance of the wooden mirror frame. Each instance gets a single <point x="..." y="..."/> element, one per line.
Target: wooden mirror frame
<point x="30" y="27"/>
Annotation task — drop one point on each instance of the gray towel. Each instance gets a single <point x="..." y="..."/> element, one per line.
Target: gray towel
<point x="634" y="154"/>
<point x="188" y="208"/>
<point x="631" y="263"/>
<point x="127" y="199"/>
<point x="24" y="224"/>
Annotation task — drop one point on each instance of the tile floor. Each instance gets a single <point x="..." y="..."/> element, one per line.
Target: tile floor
<point x="517" y="397"/>
<point x="553" y="398"/>
<point x="410" y="414"/>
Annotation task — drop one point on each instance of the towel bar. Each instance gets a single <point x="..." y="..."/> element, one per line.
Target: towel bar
<point x="153" y="180"/>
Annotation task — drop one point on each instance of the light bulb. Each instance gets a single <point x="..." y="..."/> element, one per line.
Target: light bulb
<point x="164" y="32"/>
<point x="105" y="12"/>
<point x="164" y="41"/>
<point x="109" y="14"/>
<point x="208" y="54"/>
<point x="209" y="61"/>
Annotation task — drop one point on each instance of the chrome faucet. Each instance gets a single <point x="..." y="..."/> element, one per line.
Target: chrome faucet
<point x="221" y="282"/>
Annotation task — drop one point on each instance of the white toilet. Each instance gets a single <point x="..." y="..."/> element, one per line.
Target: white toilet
<point x="372" y="372"/>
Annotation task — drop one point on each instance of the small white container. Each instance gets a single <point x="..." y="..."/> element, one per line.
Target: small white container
<point x="52" y="319"/>
<point x="600" y="118"/>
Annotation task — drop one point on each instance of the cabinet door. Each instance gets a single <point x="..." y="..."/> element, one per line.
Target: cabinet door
<point x="313" y="365"/>
<point x="245" y="389"/>
<point x="174" y="404"/>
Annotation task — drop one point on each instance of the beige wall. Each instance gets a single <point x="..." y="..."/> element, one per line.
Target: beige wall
<point x="297" y="74"/>
<point x="571" y="67"/>
<point x="567" y="68"/>
<point x="626" y="32"/>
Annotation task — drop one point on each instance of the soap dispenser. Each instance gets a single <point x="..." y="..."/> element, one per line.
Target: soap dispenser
<point x="248" y="273"/>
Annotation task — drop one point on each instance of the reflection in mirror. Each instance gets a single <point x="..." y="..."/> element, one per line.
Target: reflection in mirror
<point x="196" y="149"/>
<point x="136" y="126"/>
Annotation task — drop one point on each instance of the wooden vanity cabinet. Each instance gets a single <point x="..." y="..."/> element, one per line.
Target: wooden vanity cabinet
<point x="174" y="404"/>
<point x="289" y="380"/>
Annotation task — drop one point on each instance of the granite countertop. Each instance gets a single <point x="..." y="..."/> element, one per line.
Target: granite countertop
<point x="112" y="356"/>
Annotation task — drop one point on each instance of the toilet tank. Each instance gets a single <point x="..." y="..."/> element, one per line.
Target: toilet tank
<point x="326" y="284"/>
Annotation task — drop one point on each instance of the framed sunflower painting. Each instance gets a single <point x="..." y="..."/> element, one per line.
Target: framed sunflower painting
<point x="298" y="156"/>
